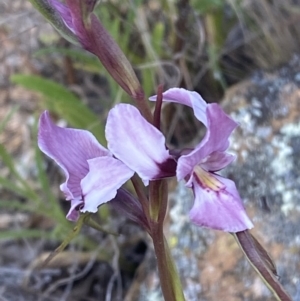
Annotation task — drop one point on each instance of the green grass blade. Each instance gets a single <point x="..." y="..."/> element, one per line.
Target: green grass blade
<point x="64" y="103"/>
<point x="23" y="233"/>
<point x="7" y="118"/>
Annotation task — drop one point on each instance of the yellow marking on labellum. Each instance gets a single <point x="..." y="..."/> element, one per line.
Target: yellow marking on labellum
<point x="207" y="179"/>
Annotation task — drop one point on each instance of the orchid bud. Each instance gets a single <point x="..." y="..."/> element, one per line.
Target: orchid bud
<point x="96" y="39"/>
<point x="58" y="15"/>
<point x="76" y="22"/>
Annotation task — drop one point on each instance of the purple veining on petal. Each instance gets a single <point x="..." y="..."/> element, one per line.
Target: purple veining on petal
<point x="70" y="148"/>
<point x="93" y="176"/>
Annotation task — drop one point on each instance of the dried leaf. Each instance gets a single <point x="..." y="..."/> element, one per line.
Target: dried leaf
<point x="262" y="263"/>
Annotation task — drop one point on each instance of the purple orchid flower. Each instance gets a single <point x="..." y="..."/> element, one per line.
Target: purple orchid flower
<point x="93" y="176"/>
<point x="138" y="144"/>
<point x="217" y="202"/>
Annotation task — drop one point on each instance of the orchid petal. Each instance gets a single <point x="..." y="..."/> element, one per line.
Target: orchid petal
<point x="106" y="175"/>
<point x="219" y="128"/>
<point x="73" y="213"/>
<point x="188" y="98"/>
<point x="70" y="148"/>
<point x="217" y="161"/>
<point x="219" y="210"/>
<point x="138" y="144"/>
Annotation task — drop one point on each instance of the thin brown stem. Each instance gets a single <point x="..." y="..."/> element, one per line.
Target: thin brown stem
<point x="143" y="106"/>
<point x="158" y="104"/>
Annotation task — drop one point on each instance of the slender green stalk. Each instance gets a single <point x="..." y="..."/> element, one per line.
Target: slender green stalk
<point x="158" y="201"/>
<point x="168" y="274"/>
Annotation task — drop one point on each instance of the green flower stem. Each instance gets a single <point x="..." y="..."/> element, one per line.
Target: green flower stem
<point x="168" y="274"/>
<point x="158" y="200"/>
<point x="74" y="233"/>
<point x="169" y="278"/>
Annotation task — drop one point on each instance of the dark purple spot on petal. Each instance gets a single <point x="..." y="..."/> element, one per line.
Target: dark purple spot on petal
<point x="167" y="168"/>
<point x="79" y="207"/>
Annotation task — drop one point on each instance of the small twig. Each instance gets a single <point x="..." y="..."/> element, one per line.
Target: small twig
<point x="69" y="280"/>
<point x="116" y="274"/>
<point x="158" y="104"/>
